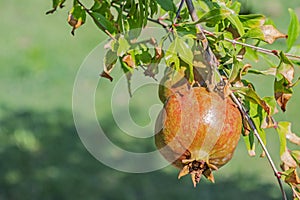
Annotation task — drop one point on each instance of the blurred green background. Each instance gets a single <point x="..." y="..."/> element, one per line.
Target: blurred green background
<point x="41" y="155"/>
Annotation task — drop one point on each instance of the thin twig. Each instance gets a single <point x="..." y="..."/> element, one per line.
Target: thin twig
<point x="235" y="99"/>
<point x="96" y="21"/>
<point x="178" y="12"/>
<point x="260" y="49"/>
<point x="253" y="127"/>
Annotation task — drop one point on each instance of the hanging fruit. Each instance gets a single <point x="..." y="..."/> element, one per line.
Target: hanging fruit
<point x="197" y="131"/>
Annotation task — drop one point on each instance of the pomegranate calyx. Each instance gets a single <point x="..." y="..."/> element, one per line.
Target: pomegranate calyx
<point x="196" y="169"/>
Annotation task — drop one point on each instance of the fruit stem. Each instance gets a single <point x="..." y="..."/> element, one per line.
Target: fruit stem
<point x="214" y="63"/>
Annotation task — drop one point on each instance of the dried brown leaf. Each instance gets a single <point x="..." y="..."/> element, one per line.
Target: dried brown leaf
<point x="129" y="60"/>
<point x="288" y="160"/>
<point x="293" y="137"/>
<point x="292" y="178"/>
<point x="271" y="33"/>
<point x="106" y="75"/>
<point x="282" y="99"/>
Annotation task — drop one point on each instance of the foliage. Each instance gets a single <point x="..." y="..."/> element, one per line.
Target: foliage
<point x="236" y="41"/>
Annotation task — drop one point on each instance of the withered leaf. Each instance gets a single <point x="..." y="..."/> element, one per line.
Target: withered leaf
<point x="292" y="177"/>
<point x="293" y="138"/>
<point x="282" y="99"/>
<point x="271" y="33"/>
<point x="129" y="60"/>
<point x="288" y="160"/>
<point x="106" y="75"/>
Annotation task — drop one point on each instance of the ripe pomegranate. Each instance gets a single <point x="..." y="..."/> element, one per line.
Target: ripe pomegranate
<point x="197" y="131"/>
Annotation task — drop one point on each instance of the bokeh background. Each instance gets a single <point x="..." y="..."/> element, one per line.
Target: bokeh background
<point x="41" y="155"/>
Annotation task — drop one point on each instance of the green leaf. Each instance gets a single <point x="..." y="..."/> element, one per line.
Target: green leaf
<point x="167" y="5"/>
<point x="110" y="60"/>
<point x="252" y="20"/>
<point x="293" y="30"/>
<point x="249" y="142"/>
<point x="214" y="16"/>
<point x="282" y="129"/>
<point x="77" y="17"/>
<point x="55" y="5"/>
<point x="123" y="47"/>
<point x="235" y="21"/>
<point x="102" y="23"/>
<point x="252" y="96"/>
<point x="178" y="48"/>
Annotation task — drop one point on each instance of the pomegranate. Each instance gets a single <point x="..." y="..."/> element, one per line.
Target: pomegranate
<point x="197" y="131"/>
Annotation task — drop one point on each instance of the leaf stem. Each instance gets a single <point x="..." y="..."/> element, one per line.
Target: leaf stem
<point x="96" y="21"/>
<point x="260" y="49"/>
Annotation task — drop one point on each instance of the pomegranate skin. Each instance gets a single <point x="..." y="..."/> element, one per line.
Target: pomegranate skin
<point x="198" y="131"/>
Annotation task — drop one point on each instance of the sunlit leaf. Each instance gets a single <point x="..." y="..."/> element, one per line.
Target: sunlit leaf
<point x="282" y="129"/>
<point x="179" y="49"/>
<point x="293" y="30"/>
<point x="214" y="16"/>
<point x="252" y="20"/>
<point x="123" y="47"/>
<point x="235" y="21"/>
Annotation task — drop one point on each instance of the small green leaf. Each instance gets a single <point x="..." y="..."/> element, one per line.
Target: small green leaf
<point x="293" y="30"/>
<point x="235" y="21"/>
<point x="214" y="16"/>
<point x="252" y="20"/>
<point x="249" y="142"/>
<point x="102" y="23"/>
<point x="282" y="129"/>
<point x="123" y="47"/>
<point x="183" y="50"/>
<point x="178" y="48"/>
<point x="110" y="60"/>
<point x="167" y="5"/>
